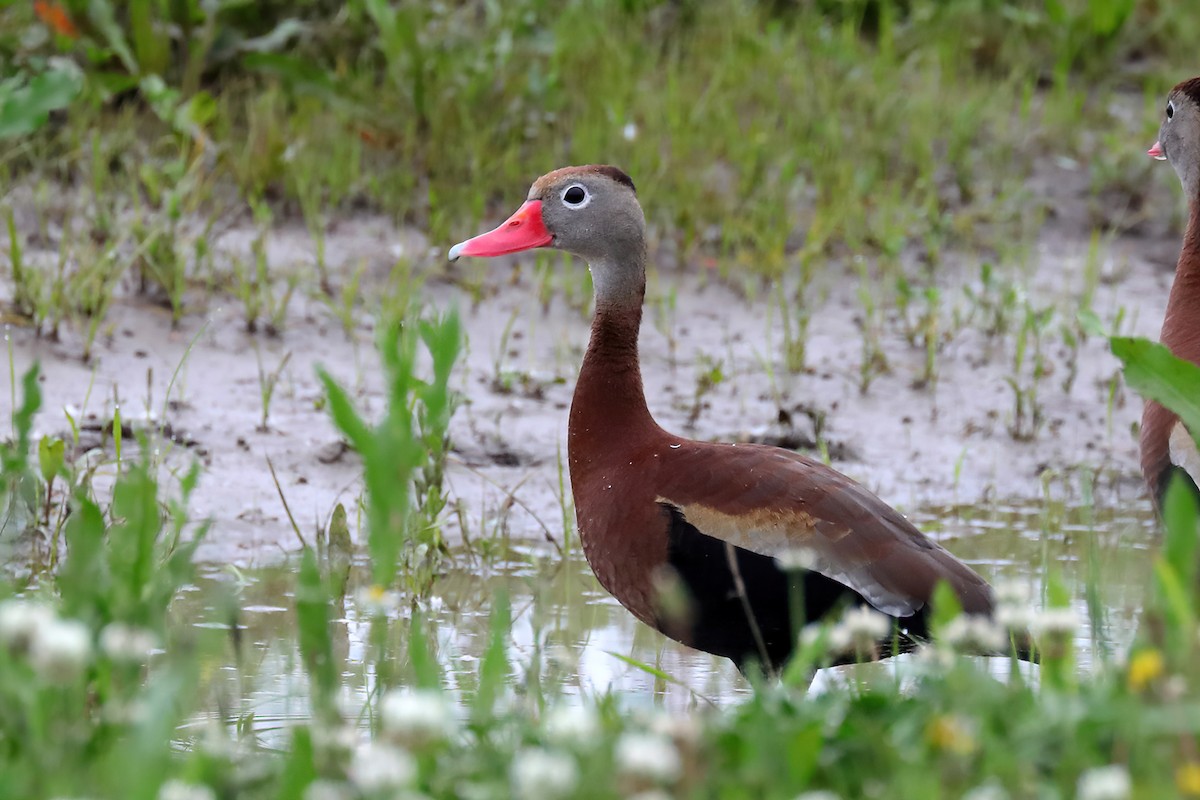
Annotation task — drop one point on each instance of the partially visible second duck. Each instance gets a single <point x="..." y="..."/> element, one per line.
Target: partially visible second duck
<point x="1167" y="446"/>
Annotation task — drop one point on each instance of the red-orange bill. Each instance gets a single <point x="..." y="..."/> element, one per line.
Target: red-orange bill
<point x="524" y="230"/>
<point x="1157" y="152"/>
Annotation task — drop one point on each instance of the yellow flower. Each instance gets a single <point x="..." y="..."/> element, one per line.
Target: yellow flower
<point x="1187" y="778"/>
<point x="1145" y="668"/>
<point x="952" y="733"/>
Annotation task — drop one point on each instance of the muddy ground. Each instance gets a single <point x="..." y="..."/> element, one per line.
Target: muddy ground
<point x="915" y="445"/>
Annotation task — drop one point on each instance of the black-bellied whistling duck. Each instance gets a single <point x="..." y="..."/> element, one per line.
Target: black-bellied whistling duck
<point x="1167" y="447"/>
<point x="657" y="511"/>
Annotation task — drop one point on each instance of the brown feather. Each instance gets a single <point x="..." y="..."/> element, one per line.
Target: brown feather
<point x="1190" y="88"/>
<point x="612" y="173"/>
<point x="1181" y="335"/>
<point x="769" y="501"/>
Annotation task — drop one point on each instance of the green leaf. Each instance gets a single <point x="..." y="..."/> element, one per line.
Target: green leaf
<point x="153" y="50"/>
<point x="945" y="605"/>
<point x="426" y="671"/>
<point x="84" y="578"/>
<point x="24" y="109"/>
<point x="493" y="668"/>
<point x="296" y="71"/>
<point x="198" y="111"/>
<point x="654" y="672"/>
<point x="1154" y="372"/>
<point x="344" y="415"/>
<point x="23" y="419"/>
<point x="299" y="766"/>
<point x="1089" y="322"/>
<point x="51" y="457"/>
<point x="1179" y="518"/>
<point x="100" y="12"/>
<point x="340" y="545"/>
<point x="316" y="641"/>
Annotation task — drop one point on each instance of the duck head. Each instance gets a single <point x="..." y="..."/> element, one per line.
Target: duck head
<point x="1179" y="136"/>
<point x="591" y="212"/>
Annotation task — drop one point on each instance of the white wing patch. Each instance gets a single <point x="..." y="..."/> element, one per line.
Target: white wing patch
<point x="1183" y="452"/>
<point x="780" y="534"/>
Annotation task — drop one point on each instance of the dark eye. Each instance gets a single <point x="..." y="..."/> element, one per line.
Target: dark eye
<point x="576" y="196"/>
<point x="1170" y="110"/>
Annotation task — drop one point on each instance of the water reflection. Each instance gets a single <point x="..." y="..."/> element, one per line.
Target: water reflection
<point x="566" y="629"/>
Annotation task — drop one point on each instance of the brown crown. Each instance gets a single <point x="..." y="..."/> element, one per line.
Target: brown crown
<point x="1190" y="88"/>
<point x="612" y="173"/>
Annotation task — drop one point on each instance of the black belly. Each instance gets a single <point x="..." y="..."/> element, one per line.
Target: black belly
<point x="1164" y="480"/>
<point x="780" y="603"/>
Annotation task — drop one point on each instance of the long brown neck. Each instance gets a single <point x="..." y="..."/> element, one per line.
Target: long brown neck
<point x="1181" y="327"/>
<point x="1181" y="335"/>
<point x="609" y="405"/>
<point x="609" y="412"/>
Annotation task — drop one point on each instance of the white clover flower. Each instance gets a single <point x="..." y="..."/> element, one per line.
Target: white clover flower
<point x="324" y="789"/>
<point x="681" y="728"/>
<point x="125" y="712"/>
<point x="834" y="638"/>
<point x="217" y="743"/>
<point x="986" y="791"/>
<point x="861" y="628"/>
<point x="21" y="621"/>
<point x="1055" y="622"/>
<point x="629" y="132"/>
<point x="574" y="726"/>
<point x="1104" y="783"/>
<point x="377" y="767"/>
<point x="1174" y="688"/>
<point x="934" y="657"/>
<point x="376" y="601"/>
<point x="543" y="773"/>
<point x="1013" y="594"/>
<point x="126" y="643"/>
<point x="818" y="794"/>
<point x="811" y="634"/>
<point x="562" y="658"/>
<point x="650" y="794"/>
<point x="1014" y="606"/>
<point x="974" y="632"/>
<point x="796" y="559"/>
<point x="1017" y="619"/>
<point x="182" y="790"/>
<point x="61" y="649"/>
<point x="417" y="716"/>
<point x="649" y="757"/>
<point x="341" y="739"/>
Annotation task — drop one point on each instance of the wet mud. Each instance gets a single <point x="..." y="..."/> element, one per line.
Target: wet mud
<point x="712" y="359"/>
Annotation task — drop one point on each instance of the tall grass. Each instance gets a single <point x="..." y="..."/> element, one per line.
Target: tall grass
<point x="769" y="132"/>
<point x="96" y="679"/>
<point x="404" y="454"/>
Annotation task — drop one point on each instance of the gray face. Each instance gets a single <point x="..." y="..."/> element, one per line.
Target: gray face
<point x="593" y="217"/>
<point x="1179" y="136"/>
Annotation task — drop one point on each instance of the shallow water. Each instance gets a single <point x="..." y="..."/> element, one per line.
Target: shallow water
<point x="566" y="629"/>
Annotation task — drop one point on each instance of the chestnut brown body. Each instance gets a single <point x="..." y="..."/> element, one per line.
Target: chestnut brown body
<point x="689" y="535"/>
<point x="1167" y="448"/>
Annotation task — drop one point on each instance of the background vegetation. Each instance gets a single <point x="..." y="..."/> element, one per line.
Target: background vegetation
<point x="771" y="140"/>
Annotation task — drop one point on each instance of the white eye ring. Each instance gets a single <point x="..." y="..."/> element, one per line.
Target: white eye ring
<point x="576" y="204"/>
<point x="1170" y="110"/>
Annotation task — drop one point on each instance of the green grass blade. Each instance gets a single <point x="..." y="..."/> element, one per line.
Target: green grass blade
<point x="1154" y="372"/>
